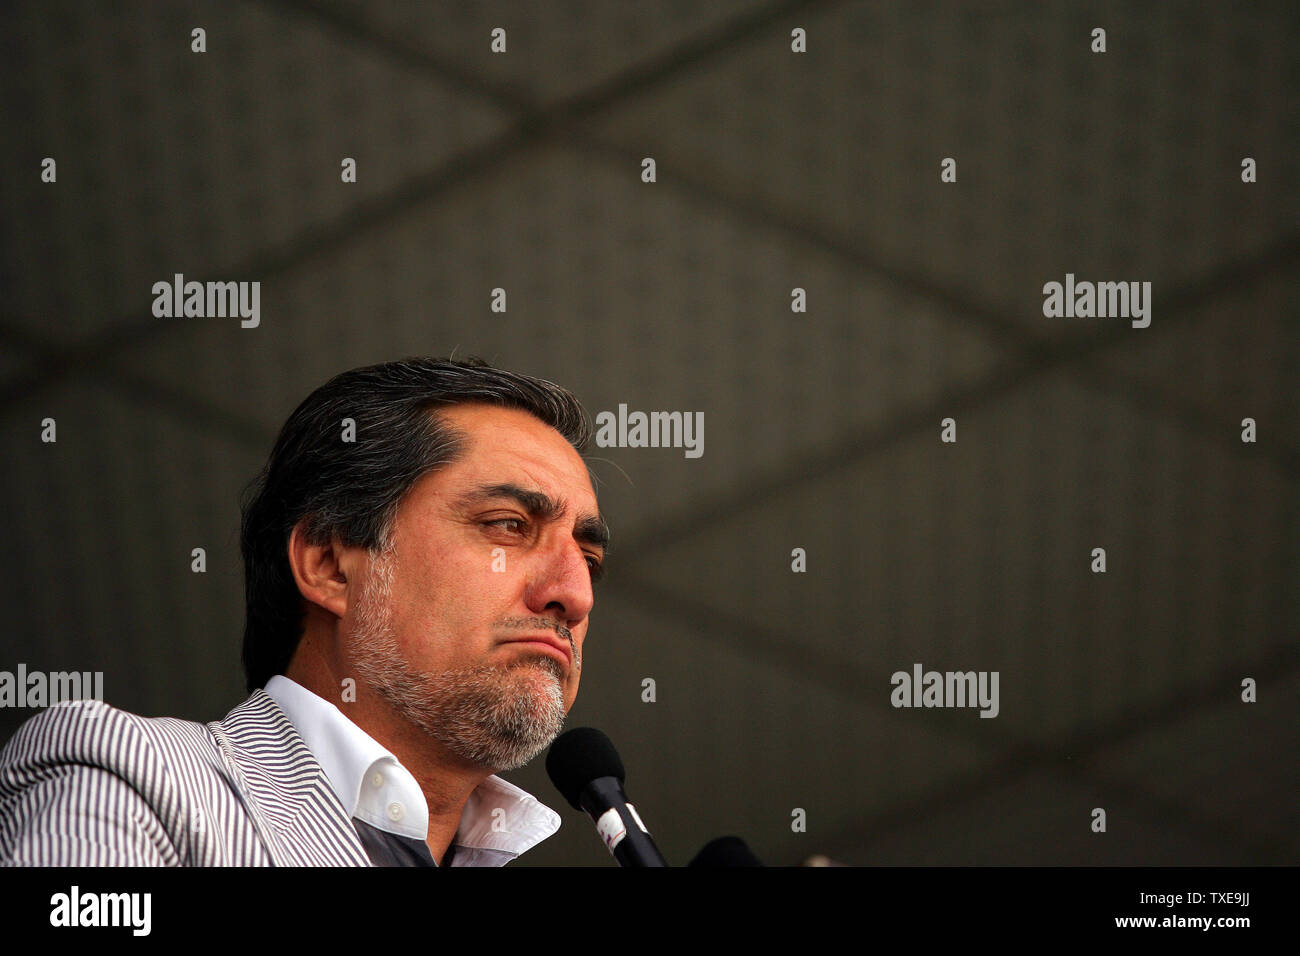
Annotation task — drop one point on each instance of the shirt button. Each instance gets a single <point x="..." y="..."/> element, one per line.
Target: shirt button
<point x="395" y="811"/>
<point x="377" y="780"/>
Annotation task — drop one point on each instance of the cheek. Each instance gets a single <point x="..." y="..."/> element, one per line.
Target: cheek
<point x="441" y="584"/>
<point x="426" y="621"/>
<point x="456" y="619"/>
<point x="575" y="676"/>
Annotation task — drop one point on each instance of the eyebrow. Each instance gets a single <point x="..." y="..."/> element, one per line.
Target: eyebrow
<point x="590" y="529"/>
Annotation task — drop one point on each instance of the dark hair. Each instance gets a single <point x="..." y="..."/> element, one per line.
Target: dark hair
<point x="352" y="490"/>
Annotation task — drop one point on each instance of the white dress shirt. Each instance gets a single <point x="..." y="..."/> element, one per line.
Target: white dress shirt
<point x="374" y="787"/>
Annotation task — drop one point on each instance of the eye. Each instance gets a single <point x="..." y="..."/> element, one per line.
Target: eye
<point x="597" y="571"/>
<point x="508" y="521"/>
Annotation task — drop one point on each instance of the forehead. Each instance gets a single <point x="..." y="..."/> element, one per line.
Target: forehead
<point x="507" y="445"/>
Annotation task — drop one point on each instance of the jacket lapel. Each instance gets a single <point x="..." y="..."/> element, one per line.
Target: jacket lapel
<point x="290" y="802"/>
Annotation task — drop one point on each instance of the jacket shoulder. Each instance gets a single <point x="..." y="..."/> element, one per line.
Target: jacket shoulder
<point x="96" y="734"/>
<point x="86" y="783"/>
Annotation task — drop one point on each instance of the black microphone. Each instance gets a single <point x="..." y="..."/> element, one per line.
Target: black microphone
<point x="585" y="767"/>
<point x="725" y="851"/>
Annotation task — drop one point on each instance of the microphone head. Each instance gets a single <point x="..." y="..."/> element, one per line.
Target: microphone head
<point x="726" y="851"/>
<point x="578" y="757"/>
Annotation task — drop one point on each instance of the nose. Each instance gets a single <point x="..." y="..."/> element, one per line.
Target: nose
<point x="562" y="582"/>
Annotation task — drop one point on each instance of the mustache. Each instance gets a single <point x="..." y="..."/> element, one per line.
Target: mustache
<point x="545" y="623"/>
<point x="536" y="623"/>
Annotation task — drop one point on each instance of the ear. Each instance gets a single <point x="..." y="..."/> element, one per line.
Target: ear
<point x="320" y="571"/>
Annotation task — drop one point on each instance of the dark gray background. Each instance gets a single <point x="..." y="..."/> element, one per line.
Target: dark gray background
<point x="821" y="429"/>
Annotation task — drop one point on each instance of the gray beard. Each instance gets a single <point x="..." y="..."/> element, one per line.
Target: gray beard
<point x="495" y="717"/>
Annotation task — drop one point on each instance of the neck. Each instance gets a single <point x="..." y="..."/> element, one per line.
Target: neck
<point x="446" y="780"/>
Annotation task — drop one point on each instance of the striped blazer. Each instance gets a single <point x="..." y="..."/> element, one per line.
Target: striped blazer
<point x="86" y="784"/>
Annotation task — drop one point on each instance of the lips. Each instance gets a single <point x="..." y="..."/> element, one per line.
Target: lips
<point x="550" y="640"/>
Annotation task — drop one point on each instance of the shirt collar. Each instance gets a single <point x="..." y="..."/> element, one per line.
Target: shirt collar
<point x="499" y="822"/>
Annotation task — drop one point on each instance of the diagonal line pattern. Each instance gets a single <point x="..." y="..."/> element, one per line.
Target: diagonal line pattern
<point x="1076" y="756"/>
<point x="534" y="127"/>
<point x="53" y="364"/>
<point x="1072" y="756"/>
<point x="1075" y="352"/>
<point x="538" y="125"/>
<point x="400" y="51"/>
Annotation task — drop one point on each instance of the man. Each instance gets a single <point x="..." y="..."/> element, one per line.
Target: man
<point x="419" y="557"/>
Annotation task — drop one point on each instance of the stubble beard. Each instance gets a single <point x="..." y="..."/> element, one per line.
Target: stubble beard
<point x="493" y="716"/>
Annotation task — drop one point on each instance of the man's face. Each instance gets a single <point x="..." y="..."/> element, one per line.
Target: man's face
<point x="473" y="627"/>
